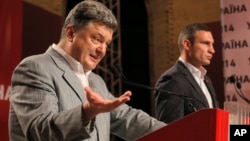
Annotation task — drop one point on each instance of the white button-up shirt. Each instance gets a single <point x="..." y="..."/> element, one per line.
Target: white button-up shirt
<point x="199" y="75"/>
<point x="76" y="66"/>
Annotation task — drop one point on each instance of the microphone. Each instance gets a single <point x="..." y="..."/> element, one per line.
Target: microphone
<point x="237" y="86"/>
<point x="118" y="71"/>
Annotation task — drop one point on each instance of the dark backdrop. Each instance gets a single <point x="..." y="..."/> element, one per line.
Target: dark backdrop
<point x="135" y="56"/>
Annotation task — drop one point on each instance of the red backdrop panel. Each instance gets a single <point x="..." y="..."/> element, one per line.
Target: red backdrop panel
<point x="10" y="54"/>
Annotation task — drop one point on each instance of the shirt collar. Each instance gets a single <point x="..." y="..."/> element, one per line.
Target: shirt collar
<point x="74" y="64"/>
<point x="195" y="71"/>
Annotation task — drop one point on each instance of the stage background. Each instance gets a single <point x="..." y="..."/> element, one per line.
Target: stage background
<point x="236" y="52"/>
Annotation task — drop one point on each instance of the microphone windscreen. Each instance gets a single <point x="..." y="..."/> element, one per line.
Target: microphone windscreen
<point x="232" y="79"/>
<point x="238" y="85"/>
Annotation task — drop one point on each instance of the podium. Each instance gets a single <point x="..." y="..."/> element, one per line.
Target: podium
<point x="203" y="125"/>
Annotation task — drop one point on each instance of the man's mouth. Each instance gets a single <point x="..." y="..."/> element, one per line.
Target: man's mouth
<point x="94" y="57"/>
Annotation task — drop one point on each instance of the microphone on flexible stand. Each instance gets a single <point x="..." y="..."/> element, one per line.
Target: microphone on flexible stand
<point x="118" y="71"/>
<point x="237" y="86"/>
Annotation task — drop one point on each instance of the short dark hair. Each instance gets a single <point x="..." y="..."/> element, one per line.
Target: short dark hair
<point x="90" y="10"/>
<point x="189" y="31"/>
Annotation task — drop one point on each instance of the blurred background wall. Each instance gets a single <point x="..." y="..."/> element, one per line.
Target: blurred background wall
<point x="148" y="35"/>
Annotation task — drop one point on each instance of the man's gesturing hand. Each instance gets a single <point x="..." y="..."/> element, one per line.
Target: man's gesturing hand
<point x="96" y="104"/>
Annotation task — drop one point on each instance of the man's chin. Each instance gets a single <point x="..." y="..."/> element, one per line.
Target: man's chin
<point x="206" y="64"/>
<point x="89" y="67"/>
<point x="92" y="67"/>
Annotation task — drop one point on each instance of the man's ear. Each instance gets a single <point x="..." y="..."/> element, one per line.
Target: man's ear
<point x="70" y="32"/>
<point x="186" y="44"/>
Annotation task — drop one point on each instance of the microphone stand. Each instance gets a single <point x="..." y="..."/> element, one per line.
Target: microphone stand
<point x="117" y="70"/>
<point x="237" y="86"/>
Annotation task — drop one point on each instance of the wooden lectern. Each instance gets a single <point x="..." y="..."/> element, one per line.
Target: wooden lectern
<point x="203" y="125"/>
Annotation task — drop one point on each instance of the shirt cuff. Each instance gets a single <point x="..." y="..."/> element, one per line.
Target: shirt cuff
<point x="89" y="127"/>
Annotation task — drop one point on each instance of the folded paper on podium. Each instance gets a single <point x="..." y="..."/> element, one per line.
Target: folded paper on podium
<point x="203" y="125"/>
